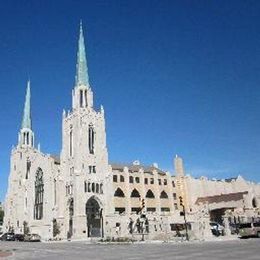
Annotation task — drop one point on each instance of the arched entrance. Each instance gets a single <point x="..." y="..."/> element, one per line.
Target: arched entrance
<point x="94" y="218"/>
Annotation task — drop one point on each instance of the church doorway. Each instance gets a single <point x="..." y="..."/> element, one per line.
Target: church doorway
<point x="94" y="218"/>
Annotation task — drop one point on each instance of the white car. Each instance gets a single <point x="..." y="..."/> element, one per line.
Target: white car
<point x="216" y="229"/>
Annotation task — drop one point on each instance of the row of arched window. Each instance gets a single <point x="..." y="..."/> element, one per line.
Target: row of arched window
<point x="137" y="180"/>
<point x="26" y="139"/>
<point x="135" y="194"/>
<point x="93" y="187"/>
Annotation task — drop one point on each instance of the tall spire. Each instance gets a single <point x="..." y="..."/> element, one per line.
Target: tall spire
<point x="81" y="68"/>
<point x="27" y="123"/>
<point x="26" y="135"/>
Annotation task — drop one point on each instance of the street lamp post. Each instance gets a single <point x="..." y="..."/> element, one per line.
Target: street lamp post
<point x="184" y="216"/>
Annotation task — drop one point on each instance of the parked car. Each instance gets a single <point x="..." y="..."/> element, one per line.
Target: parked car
<point x="32" y="238"/>
<point x="216" y="229"/>
<point x="7" y="237"/>
<point x="19" y="237"/>
<point x="249" y="229"/>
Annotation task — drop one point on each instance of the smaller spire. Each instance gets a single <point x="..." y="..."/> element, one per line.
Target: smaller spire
<point x="27" y="123"/>
<point x="81" y="68"/>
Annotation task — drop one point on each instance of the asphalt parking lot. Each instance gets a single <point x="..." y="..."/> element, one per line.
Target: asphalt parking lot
<point x="239" y="249"/>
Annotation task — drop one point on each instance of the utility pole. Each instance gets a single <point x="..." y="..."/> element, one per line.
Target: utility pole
<point x="142" y="216"/>
<point x="184" y="216"/>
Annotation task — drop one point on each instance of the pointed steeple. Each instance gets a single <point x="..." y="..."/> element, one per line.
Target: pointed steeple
<point x="26" y="135"/>
<point x="81" y="68"/>
<point x="27" y="123"/>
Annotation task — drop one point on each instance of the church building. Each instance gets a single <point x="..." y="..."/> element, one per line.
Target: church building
<point x="80" y="194"/>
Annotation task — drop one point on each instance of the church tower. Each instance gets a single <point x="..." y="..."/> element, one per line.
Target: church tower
<point x="26" y="135"/>
<point x="84" y="157"/>
<point x="30" y="201"/>
<point x="82" y="96"/>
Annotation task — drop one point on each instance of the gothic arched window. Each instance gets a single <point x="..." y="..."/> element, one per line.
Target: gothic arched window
<point x="135" y="194"/>
<point x="119" y="193"/>
<point x="131" y="179"/>
<point x="85" y="186"/>
<point x="91" y="139"/>
<point x="71" y="207"/>
<point x="39" y="191"/>
<point x="93" y="187"/>
<point x="163" y="195"/>
<point x="97" y="188"/>
<point x="81" y="98"/>
<point x="149" y="194"/>
<point x="71" y="144"/>
<point x="28" y="167"/>
<point x="85" y="97"/>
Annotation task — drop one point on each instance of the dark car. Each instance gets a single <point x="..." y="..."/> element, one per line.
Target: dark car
<point x="19" y="237"/>
<point x="8" y="237"/>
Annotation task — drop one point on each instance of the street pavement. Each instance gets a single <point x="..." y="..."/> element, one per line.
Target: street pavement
<point x="215" y="250"/>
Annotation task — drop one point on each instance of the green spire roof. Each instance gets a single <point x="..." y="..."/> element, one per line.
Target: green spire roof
<point x="27" y="123"/>
<point x="82" y="68"/>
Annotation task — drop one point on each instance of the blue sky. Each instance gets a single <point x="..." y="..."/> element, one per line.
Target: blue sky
<point x="173" y="76"/>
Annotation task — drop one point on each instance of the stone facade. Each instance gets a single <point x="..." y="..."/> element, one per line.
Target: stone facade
<point x="79" y="194"/>
<point x="227" y="201"/>
<point x="234" y="197"/>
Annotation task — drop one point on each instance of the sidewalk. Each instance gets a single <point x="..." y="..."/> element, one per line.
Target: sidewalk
<point x="173" y="241"/>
